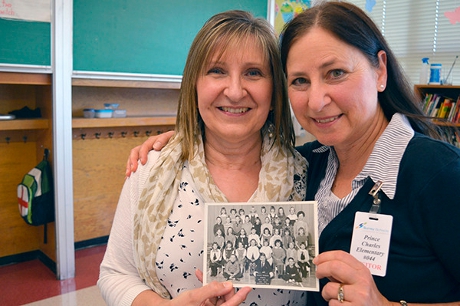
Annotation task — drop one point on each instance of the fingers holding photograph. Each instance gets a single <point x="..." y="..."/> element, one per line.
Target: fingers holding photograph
<point x="265" y="245"/>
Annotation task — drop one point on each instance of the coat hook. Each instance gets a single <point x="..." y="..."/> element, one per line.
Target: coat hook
<point x="46" y="153"/>
<point x="97" y="135"/>
<point x="83" y="136"/>
<point x="136" y="133"/>
<point x="148" y="133"/>
<point x="24" y="138"/>
<point x="110" y="134"/>
<point x="7" y="139"/>
<point x="123" y="134"/>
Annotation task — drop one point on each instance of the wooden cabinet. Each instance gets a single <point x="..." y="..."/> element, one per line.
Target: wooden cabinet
<point x="22" y="144"/>
<point x="101" y="146"/>
<point x="100" y="149"/>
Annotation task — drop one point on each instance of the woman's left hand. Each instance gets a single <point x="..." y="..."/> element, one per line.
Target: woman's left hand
<point x="229" y="299"/>
<point x="349" y="276"/>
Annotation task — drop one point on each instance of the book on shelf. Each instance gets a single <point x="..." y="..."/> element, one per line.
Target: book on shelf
<point x="427" y="102"/>
<point x="456" y="116"/>
<point x="435" y="105"/>
<point x="453" y="109"/>
<point x="444" y="108"/>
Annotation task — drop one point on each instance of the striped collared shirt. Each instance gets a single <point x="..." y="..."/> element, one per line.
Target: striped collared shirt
<point x="382" y="165"/>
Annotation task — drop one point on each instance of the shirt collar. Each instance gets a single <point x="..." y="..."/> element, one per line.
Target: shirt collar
<point x="383" y="163"/>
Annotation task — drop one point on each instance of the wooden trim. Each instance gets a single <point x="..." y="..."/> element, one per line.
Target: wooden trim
<point x="24" y="124"/>
<point x="125" y="83"/>
<point x="122" y="122"/>
<point x="25" y="78"/>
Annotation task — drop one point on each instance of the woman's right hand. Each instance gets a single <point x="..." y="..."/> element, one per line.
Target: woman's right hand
<point x="140" y="152"/>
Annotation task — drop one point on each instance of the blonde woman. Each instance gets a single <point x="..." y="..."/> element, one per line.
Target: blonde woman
<point x="233" y="143"/>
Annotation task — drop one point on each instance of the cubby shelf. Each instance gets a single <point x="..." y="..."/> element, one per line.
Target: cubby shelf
<point x="23" y="82"/>
<point x="24" y="124"/>
<point x="144" y="100"/>
<point x="101" y="146"/>
<point x="22" y="142"/>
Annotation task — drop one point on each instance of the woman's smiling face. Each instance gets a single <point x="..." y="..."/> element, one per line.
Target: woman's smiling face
<point x="235" y="92"/>
<point x="333" y="88"/>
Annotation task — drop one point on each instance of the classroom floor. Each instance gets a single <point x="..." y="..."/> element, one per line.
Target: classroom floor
<point x="32" y="283"/>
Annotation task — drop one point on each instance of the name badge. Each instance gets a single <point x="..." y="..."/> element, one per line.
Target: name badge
<point x="370" y="243"/>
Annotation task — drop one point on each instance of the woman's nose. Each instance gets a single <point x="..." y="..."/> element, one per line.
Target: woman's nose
<point x="235" y="89"/>
<point x="317" y="97"/>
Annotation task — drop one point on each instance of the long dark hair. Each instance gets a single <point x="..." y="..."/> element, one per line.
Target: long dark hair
<point x="353" y="26"/>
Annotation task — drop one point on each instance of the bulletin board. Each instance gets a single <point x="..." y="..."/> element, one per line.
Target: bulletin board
<point x="286" y="10"/>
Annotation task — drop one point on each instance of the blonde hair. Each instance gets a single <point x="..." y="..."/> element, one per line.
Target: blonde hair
<point x="235" y="28"/>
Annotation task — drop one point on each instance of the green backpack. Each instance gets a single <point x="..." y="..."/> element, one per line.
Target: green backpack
<point x="36" y="194"/>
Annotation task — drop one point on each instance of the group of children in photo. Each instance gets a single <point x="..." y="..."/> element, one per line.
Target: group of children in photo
<point x="266" y="245"/>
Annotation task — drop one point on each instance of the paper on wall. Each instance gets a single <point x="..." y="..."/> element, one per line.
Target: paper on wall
<point x="30" y="10"/>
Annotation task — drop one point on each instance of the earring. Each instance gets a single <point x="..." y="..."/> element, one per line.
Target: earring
<point x="382" y="87"/>
<point x="271" y="129"/>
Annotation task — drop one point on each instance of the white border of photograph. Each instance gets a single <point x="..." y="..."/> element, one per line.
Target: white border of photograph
<point x="212" y="210"/>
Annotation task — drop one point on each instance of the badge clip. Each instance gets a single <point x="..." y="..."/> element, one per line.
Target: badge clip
<point x="375" y="208"/>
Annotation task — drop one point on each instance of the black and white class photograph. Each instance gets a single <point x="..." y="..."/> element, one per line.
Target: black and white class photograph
<point x="262" y="245"/>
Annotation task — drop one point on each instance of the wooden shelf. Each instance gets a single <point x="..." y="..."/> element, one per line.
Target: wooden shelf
<point x="24" y="124"/>
<point x="446" y="90"/>
<point x="122" y="122"/>
<point x="25" y="78"/>
<point x="443" y="123"/>
<point x="426" y="86"/>
<point x="125" y="83"/>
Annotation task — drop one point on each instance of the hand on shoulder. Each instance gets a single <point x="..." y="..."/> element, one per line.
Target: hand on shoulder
<point x="140" y="152"/>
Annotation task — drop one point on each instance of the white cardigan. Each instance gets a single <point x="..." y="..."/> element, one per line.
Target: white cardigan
<point x="119" y="280"/>
<point x="180" y="250"/>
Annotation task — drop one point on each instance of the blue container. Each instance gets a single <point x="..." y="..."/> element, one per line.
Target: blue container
<point x="435" y="74"/>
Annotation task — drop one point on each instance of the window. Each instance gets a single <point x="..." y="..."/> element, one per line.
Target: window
<point x="419" y="28"/>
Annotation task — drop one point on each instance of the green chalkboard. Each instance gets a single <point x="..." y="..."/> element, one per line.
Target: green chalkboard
<point x="143" y="36"/>
<point x="25" y="43"/>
